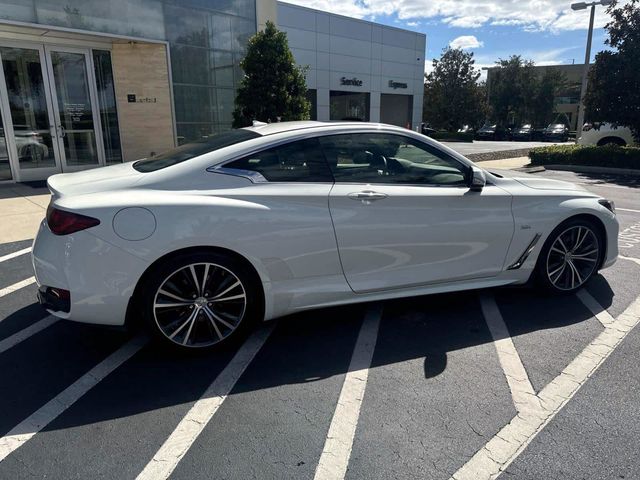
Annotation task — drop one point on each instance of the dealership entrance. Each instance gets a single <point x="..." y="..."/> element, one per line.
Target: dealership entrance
<point x="51" y="116"/>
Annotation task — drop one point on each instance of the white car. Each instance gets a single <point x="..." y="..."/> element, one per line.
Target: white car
<point x="204" y="240"/>
<point x="605" y="134"/>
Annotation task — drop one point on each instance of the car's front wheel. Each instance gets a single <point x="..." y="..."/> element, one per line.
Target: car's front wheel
<point x="199" y="301"/>
<point x="570" y="256"/>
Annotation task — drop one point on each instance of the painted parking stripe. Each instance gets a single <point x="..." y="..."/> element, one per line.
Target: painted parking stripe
<point x="627" y="210"/>
<point x="498" y="453"/>
<point x="17" y="286"/>
<point x="9" y="256"/>
<point x="598" y="310"/>
<point x="26" y="429"/>
<point x="176" y="446"/>
<point x="337" y="448"/>
<point x="25" y="333"/>
<point x="522" y="392"/>
<point x="630" y="259"/>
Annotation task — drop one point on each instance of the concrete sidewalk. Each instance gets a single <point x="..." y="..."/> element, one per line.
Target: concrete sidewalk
<point x="505" y="164"/>
<point x="21" y="210"/>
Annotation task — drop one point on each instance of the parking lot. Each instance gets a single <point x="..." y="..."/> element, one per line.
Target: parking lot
<point x="466" y="385"/>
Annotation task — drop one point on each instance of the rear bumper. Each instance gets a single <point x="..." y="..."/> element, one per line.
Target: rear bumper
<point x="100" y="277"/>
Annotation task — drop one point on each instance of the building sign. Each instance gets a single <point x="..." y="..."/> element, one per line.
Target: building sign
<point x="131" y="98"/>
<point x="394" y="85"/>
<point x="352" y="82"/>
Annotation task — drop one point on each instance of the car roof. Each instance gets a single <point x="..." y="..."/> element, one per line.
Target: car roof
<point x="281" y="127"/>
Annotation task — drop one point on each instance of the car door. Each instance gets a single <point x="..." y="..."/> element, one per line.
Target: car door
<point x="404" y="215"/>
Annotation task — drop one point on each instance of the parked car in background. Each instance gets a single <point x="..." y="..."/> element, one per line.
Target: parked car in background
<point x="466" y="129"/>
<point x="605" y="134"/>
<point x="171" y="240"/>
<point x="492" y="131"/>
<point x="558" y="132"/>
<point x="524" y="132"/>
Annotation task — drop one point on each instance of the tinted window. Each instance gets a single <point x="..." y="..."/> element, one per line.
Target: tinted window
<point x="300" y="161"/>
<point x="194" y="149"/>
<point x="384" y="158"/>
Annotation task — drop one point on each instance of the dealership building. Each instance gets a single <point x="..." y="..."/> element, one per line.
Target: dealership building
<point x="86" y="83"/>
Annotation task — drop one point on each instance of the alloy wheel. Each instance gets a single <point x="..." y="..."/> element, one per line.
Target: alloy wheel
<point x="199" y="305"/>
<point x="573" y="257"/>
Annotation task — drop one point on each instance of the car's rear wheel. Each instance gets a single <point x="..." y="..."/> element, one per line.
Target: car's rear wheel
<point x="570" y="256"/>
<point x="199" y="301"/>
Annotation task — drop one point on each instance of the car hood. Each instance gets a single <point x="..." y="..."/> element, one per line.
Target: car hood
<point x="113" y="177"/>
<point x="548" y="184"/>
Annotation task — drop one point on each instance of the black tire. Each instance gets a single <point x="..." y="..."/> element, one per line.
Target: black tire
<point x="579" y="267"/>
<point x="203" y="316"/>
<point x="612" y="141"/>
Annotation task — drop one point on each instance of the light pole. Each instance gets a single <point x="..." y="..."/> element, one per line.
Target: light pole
<point x="587" y="57"/>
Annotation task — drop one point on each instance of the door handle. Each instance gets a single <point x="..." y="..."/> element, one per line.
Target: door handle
<point x="63" y="132"/>
<point x="367" y="196"/>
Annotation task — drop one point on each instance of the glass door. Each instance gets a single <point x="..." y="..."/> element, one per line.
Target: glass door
<point x="76" y="116"/>
<point x="29" y="134"/>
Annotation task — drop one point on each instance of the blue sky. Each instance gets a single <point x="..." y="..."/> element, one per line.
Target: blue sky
<point x="545" y="31"/>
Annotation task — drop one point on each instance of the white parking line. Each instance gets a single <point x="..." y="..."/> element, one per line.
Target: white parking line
<point x="598" y="310"/>
<point x="630" y="259"/>
<point x="9" y="256"/>
<point x="25" y="333"/>
<point x="627" y="210"/>
<point x="497" y="454"/>
<point x="176" y="446"/>
<point x="337" y="448"/>
<point x="16" y="286"/>
<point x="522" y="392"/>
<point x="26" y="429"/>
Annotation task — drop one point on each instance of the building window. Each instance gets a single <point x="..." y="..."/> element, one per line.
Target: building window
<point x="349" y="106"/>
<point x="107" y="105"/>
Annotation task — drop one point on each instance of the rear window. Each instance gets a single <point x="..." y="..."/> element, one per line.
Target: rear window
<point x="194" y="149"/>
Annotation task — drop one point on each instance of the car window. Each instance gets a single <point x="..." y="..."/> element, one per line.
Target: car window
<point x="388" y="158"/>
<point x="300" y="161"/>
<point x="194" y="149"/>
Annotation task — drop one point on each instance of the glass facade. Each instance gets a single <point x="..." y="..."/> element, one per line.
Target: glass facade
<point x="349" y="106"/>
<point x="207" y="40"/>
<point x="107" y="105"/>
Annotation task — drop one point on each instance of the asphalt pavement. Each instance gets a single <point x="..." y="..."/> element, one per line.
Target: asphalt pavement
<point x="423" y="387"/>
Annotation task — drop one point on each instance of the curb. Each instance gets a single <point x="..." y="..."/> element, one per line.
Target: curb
<point x="588" y="169"/>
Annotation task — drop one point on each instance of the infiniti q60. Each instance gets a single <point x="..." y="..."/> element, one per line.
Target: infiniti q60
<point x="205" y="240"/>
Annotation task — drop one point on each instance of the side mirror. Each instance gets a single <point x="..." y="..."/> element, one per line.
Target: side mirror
<point x="478" y="180"/>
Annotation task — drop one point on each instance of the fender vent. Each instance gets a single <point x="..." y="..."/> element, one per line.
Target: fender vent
<point x="518" y="263"/>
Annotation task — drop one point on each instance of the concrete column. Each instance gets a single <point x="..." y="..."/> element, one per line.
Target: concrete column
<point x="374" y="113"/>
<point x="323" y="104"/>
<point x="266" y="10"/>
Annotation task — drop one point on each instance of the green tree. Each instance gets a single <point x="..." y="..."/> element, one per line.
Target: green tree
<point x="273" y="86"/>
<point x="512" y="89"/>
<point x="452" y="96"/>
<point x="613" y="93"/>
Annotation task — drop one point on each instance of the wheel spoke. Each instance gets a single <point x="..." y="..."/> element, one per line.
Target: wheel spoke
<point x="587" y="254"/>
<point x="559" y="273"/>
<point x="213" y="322"/>
<point x="579" y="239"/>
<point x="175" y="297"/>
<point x="205" y="277"/>
<point x="181" y="327"/>
<point x="226" y="299"/>
<point x="574" y="274"/>
<point x="563" y="245"/>
<point x="193" y="321"/>
<point x="210" y="312"/>
<point x="557" y="250"/>
<point x="172" y="305"/>
<point x="227" y="290"/>
<point x="194" y="277"/>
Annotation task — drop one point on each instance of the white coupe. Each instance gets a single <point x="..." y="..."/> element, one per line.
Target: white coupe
<point x="202" y="241"/>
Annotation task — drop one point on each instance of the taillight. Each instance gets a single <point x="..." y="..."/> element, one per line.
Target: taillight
<point x="62" y="222"/>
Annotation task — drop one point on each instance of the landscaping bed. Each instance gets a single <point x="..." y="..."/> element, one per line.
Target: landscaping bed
<point x="610" y="156"/>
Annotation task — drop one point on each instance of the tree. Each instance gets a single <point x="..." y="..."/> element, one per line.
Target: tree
<point x="519" y="94"/>
<point x="613" y="93"/>
<point x="452" y="96"/>
<point x="273" y="86"/>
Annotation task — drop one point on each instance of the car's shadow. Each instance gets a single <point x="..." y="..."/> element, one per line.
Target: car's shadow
<point x="303" y="348"/>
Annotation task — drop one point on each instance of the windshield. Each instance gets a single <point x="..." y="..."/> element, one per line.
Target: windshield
<point x="194" y="149"/>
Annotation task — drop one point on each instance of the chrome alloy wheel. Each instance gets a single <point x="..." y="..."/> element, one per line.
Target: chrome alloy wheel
<point x="573" y="257"/>
<point x="199" y="305"/>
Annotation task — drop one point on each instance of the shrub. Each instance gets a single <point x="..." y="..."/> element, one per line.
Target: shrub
<point x="452" y="136"/>
<point x="587" y="155"/>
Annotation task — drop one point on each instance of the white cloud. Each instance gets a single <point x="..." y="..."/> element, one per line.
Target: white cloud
<point x="466" y="42"/>
<point x="551" y="15"/>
